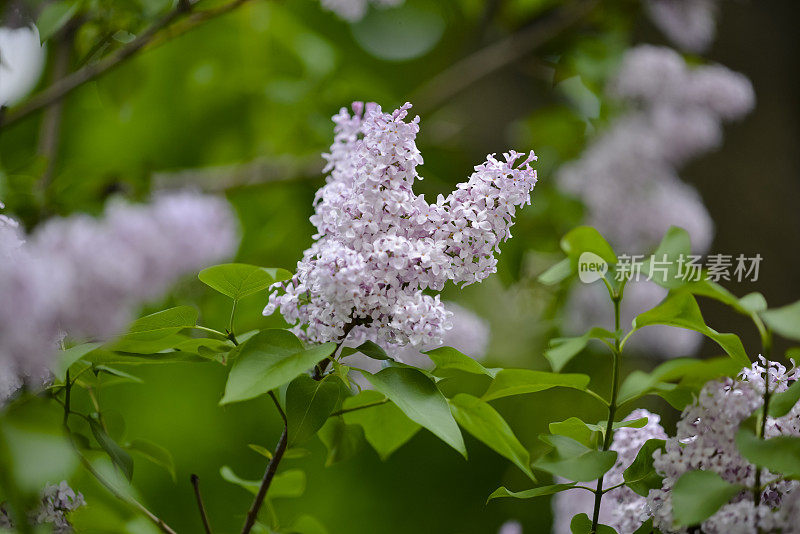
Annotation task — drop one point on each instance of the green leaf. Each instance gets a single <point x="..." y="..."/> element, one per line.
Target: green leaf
<point x="238" y="280"/>
<point x="448" y="358"/>
<point x="581" y="524"/>
<point x="697" y="495"/>
<point x="342" y="440"/>
<point x="785" y="320"/>
<point x="753" y="303"/>
<point x="288" y="484"/>
<point x="309" y="402"/>
<point x="419" y="398"/>
<point x="118" y="455"/>
<point x="386" y="427"/>
<point x="680" y="309"/>
<point x="71" y="355"/>
<point x="268" y="360"/>
<point x="563" y="349"/>
<point x="782" y="403"/>
<point x="641" y="476"/>
<point x="587" y="239"/>
<point x="373" y="350"/>
<point x="520" y="381"/>
<point x="573" y="460"/>
<point x="541" y="491"/>
<point x="574" y="428"/>
<point x="780" y="454"/>
<point x="483" y="422"/>
<point x="154" y="453"/>
<point x="54" y="16"/>
<point x="690" y="373"/>
<point x="675" y="243"/>
<point x="159" y="325"/>
<point x="557" y="273"/>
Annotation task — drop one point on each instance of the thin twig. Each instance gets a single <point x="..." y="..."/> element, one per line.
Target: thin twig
<point x="66" y="85"/>
<point x="203" y="515"/>
<point x="269" y="474"/>
<point x="464" y="73"/>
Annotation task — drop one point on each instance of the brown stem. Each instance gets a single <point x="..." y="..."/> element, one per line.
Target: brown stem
<point x="203" y="515"/>
<point x="269" y="474"/>
<point x="66" y="85"/>
<point x="462" y="74"/>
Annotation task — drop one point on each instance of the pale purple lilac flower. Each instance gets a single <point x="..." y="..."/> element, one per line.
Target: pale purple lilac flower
<point x="86" y="276"/>
<point x="705" y="439"/>
<point x="379" y="245"/>
<point x="58" y="500"/>
<point x="621" y="508"/>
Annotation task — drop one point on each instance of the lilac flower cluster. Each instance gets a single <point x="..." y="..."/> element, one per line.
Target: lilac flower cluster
<point x="354" y="10"/>
<point x="379" y="246"/>
<point x="689" y="24"/>
<point x="58" y="500"/>
<point x="677" y="115"/>
<point x="85" y="276"/>
<point x="621" y="508"/>
<point x="705" y="440"/>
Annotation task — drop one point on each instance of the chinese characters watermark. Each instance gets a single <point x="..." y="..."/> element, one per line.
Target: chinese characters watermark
<point x="685" y="267"/>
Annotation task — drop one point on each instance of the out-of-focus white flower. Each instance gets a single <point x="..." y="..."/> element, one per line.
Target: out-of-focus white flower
<point x="510" y="527"/>
<point x="705" y="439"/>
<point x="689" y="24"/>
<point x="22" y="59"/>
<point x="588" y="305"/>
<point x="86" y="276"/>
<point x="379" y="246"/>
<point x="620" y="508"/>
<point x="354" y="10"/>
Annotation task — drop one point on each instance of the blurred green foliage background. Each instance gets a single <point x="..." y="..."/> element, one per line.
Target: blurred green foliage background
<point x="242" y="105"/>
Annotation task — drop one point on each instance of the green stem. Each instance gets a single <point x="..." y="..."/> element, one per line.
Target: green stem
<point x="612" y="406"/>
<point x="210" y="331"/>
<point x="357" y="408"/>
<point x="766" y="343"/>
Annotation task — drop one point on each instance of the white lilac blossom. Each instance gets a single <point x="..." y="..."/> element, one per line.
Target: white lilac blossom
<point x="468" y="334"/>
<point x="620" y="508"/>
<point x="588" y="305"/>
<point x="689" y="24"/>
<point x="57" y="501"/>
<point x="86" y="276"/>
<point x="354" y="10"/>
<point x="705" y="439"/>
<point x="379" y="246"/>
<point x="21" y="62"/>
